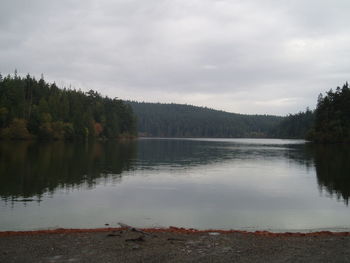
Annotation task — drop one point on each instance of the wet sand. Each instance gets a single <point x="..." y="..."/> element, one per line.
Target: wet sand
<point x="172" y="245"/>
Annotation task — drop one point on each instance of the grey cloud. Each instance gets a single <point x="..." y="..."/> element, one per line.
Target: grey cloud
<point x="245" y="56"/>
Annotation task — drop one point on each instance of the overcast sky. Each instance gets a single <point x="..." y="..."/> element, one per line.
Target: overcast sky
<point x="251" y="56"/>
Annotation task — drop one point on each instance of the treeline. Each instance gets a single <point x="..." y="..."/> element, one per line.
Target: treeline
<point x="328" y="123"/>
<point x="177" y="120"/>
<point x="332" y="117"/>
<point x="31" y="108"/>
<point x="295" y="126"/>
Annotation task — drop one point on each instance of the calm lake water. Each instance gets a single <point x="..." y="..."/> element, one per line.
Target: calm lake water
<point x="249" y="184"/>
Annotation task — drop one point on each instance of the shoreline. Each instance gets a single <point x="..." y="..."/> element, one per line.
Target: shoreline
<point x="179" y="230"/>
<point x="173" y="244"/>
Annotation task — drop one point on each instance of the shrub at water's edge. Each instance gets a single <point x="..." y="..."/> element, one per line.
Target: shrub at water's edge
<point x="31" y="108"/>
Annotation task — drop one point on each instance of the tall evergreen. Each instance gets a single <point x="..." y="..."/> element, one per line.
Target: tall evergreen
<point x="36" y="109"/>
<point x="332" y="116"/>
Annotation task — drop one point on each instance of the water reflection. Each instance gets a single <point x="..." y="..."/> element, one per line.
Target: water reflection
<point x="192" y="152"/>
<point x="30" y="169"/>
<point x="332" y="162"/>
<point x="333" y="170"/>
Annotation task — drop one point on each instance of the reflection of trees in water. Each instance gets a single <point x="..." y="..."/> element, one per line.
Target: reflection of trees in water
<point x="333" y="169"/>
<point x="300" y="154"/>
<point x="30" y="169"/>
<point x="154" y="152"/>
<point x="178" y="152"/>
<point x="332" y="162"/>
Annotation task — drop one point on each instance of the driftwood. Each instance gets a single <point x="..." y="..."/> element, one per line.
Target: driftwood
<point x="113" y="235"/>
<point x="135" y="229"/>
<point x="140" y="238"/>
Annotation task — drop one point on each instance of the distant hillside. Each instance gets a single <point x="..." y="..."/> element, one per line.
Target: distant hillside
<point x="295" y="126"/>
<point x="178" y="120"/>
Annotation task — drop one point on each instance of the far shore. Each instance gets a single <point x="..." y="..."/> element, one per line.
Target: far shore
<point x="172" y="229"/>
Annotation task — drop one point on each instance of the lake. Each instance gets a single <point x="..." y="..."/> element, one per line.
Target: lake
<point x="246" y="184"/>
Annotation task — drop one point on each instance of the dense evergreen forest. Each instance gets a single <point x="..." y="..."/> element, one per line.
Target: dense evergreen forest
<point x="332" y="117"/>
<point x="31" y="108"/>
<point x="295" y="126"/>
<point x="177" y="120"/>
<point x="328" y="123"/>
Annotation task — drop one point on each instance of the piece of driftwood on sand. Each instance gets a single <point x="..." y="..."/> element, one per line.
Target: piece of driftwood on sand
<point x="135" y="229"/>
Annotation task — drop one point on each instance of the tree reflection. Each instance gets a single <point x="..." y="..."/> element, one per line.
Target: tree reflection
<point x="333" y="169"/>
<point x="332" y="165"/>
<point x="30" y="169"/>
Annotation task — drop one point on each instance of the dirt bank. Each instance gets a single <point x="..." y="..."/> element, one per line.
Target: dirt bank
<point x="172" y="245"/>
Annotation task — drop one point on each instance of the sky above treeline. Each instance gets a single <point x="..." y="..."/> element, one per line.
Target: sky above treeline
<point x="251" y="56"/>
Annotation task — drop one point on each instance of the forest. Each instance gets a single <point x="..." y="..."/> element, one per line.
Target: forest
<point x="178" y="120"/>
<point x="332" y="117"/>
<point x="31" y="108"/>
<point x="328" y="123"/>
<point x="295" y="126"/>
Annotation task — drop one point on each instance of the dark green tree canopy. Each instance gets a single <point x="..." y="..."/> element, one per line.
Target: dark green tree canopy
<point x="31" y="108"/>
<point x="36" y="109"/>
<point x="332" y="116"/>
<point x="178" y="120"/>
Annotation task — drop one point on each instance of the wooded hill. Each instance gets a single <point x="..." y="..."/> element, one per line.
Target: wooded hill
<point x="31" y="108"/>
<point x="328" y="123"/>
<point x="178" y="120"/>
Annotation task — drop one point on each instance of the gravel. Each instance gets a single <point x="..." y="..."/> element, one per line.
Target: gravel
<point x="129" y="246"/>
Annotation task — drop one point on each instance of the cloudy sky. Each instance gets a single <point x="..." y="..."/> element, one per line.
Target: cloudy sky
<point x="247" y="56"/>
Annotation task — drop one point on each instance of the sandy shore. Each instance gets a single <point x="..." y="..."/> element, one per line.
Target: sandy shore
<point x="172" y="245"/>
